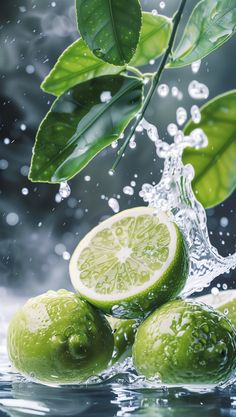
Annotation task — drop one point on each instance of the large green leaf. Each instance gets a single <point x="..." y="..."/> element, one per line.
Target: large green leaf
<point x="76" y="65"/>
<point x="155" y="35"/>
<point x="111" y="28"/>
<point x="211" y="24"/>
<point x="80" y="124"/>
<point x="215" y="165"/>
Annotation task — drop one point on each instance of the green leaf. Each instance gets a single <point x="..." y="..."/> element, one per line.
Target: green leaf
<point x="211" y="24"/>
<point x="155" y="35"/>
<point x="215" y="165"/>
<point x="79" y="125"/>
<point x="76" y="65"/>
<point x="111" y="28"/>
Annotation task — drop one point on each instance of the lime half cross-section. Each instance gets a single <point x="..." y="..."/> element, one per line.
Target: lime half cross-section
<point x="131" y="263"/>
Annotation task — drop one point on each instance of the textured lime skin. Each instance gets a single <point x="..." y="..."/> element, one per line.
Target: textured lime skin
<point x="185" y="342"/>
<point x="59" y="338"/>
<point x="124" y="334"/>
<point x="167" y="287"/>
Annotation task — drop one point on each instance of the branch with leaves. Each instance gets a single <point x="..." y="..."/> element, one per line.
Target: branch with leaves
<point x="100" y="90"/>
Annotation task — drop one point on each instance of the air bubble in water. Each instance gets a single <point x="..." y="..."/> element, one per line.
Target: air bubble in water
<point x="163" y="90"/>
<point x="224" y="221"/>
<point x="66" y="256"/>
<point x="128" y="190"/>
<point x="154" y="12"/>
<point x="198" y="139"/>
<point x="197" y="90"/>
<point x="6" y="141"/>
<point x="87" y="178"/>
<point x="12" y="219"/>
<point x="196" y="114"/>
<point x="105" y="97"/>
<point x="196" y="66"/>
<point x="64" y="190"/>
<point x="172" y="129"/>
<point x="111" y="172"/>
<point x="181" y="115"/>
<point x="162" y="5"/>
<point x="114" y="205"/>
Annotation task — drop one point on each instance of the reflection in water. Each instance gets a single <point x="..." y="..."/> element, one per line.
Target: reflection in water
<point x="22" y="398"/>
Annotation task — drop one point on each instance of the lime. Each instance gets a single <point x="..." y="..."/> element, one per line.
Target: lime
<point x="185" y="342"/>
<point x="131" y="263"/>
<point x="224" y="301"/>
<point x="59" y="338"/>
<point x="124" y="333"/>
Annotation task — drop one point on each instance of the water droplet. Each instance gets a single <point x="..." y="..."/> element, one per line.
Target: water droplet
<point x="198" y="139"/>
<point x="30" y="69"/>
<point x="179" y="137"/>
<point x="114" y="144"/>
<point x="12" y="219"/>
<point x="25" y="191"/>
<point x="224" y="221"/>
<point x="196" y="66"/>
<point x="162" y="149"/>
<point x="105" y="97"/>
<point x="64" y="190"/>
<point x="3" y="164"/>
<point x="174" y="91"/>
<point x="66" y="256"/>
<point x="114" y="205"/>
<point x="172" y="129"/>
<point x="23" y="127"/>
<point x="196" y="114"/>
<point x="163" y="90"/>
<point x="132" y="143"/>
<point x="197" y="90"/>
<point x="128" y="190"/>
<point x="215" y="291"/>
<point x="181" y="115"/>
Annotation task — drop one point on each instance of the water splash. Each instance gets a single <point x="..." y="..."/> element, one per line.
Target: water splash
<point x="174" y="194"/>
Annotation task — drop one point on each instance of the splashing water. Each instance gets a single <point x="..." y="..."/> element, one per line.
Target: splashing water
<point x="174" y="194"/>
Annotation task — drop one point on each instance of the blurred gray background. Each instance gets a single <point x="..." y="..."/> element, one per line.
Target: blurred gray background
<point x="38" y="233"/>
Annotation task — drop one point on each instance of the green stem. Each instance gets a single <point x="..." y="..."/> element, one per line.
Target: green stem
<point x="155" y="81"/>
<point x="135" y="71"/>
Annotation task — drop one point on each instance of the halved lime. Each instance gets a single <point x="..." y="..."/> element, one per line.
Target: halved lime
<point x="59" y="338"/>
<point x="224" y="301"/>
<point x="131" y="263"/>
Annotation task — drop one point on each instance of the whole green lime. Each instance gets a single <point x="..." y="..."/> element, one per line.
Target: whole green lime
<point x="185" y="342"/>
<point x="59" y="338"/>
<point x="124" y="334"/>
